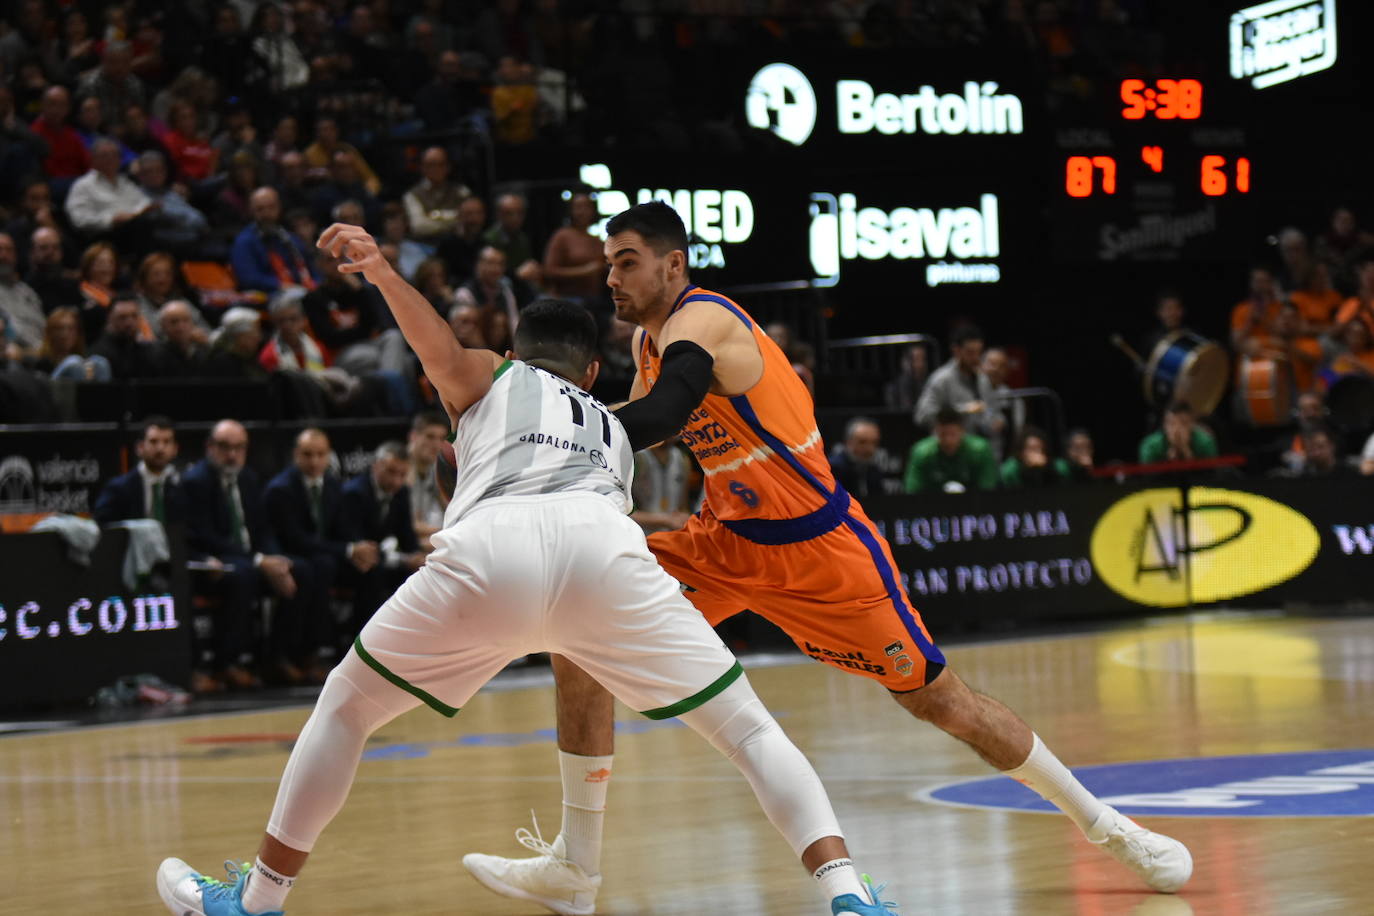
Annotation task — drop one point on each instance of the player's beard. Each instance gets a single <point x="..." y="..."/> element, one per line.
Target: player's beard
<point x="636" y="309"/>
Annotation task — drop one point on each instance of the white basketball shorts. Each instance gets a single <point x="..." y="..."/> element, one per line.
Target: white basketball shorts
<point x="564" y="573"/>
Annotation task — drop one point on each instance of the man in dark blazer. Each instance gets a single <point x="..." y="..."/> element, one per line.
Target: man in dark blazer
<point x="856" y="464"/>
<point x="153" y="488"/>
<point x="304" y="505"/>
<point x="376" y="508"/>
<point x="227" y="527"/>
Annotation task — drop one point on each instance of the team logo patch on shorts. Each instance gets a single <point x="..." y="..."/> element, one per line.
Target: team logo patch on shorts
<point x="904" y="664"/>
<point x="853" y="660"/>
<point x="894" y="648"/>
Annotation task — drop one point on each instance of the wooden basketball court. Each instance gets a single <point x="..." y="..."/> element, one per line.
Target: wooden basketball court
<point x="88" y="814"/>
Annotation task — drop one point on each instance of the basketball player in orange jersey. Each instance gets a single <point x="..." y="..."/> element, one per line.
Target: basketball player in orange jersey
<point x="776" y="535"/>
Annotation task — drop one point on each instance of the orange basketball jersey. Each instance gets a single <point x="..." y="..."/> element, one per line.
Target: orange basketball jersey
<point x="778" y="536"/>
<point x="760" y="451"/>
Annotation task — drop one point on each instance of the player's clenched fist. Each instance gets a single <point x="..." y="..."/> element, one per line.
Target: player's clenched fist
<point x="352" y="242"/>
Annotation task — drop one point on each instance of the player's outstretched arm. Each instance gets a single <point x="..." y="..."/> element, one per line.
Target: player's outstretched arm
<point x="462" y="376"/>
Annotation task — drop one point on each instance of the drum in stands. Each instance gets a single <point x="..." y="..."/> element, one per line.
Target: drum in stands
<point x="1187" y="367"/>
<point x="1264" y="392"/>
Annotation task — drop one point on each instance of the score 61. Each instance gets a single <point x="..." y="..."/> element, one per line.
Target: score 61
<point x="1214" y="177"/>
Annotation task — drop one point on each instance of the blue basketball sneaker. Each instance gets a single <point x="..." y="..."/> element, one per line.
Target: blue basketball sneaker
<point x="851" y="903"/>
<point x="189" y="893"/>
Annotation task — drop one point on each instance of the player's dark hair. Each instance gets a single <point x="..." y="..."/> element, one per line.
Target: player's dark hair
<point x="657" y="222"/>
<point x="556" y="335"/>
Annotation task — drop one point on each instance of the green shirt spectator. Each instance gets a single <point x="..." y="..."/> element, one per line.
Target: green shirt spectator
<point x="1015" y="476"/>
<point x="1032" y="466"/>
<point x="950" y="456"/>
<point x="1181" y="439"/>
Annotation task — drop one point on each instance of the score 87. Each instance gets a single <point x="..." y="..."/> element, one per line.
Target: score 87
<point x="1078" y="177"/>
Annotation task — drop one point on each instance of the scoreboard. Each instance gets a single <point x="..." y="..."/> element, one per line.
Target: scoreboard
<point x="1165" y="172"/>
<point x="879" y="169"/>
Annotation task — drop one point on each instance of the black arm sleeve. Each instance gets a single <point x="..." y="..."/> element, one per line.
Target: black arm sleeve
<point x="683" y="380"/>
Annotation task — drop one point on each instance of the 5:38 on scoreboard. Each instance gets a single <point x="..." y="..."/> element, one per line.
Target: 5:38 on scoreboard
<point x="1148" y="150"/>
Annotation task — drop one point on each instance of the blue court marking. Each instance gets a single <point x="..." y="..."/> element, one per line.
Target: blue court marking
<point x="1306" y="784"/>
<point x="411" y="751"/>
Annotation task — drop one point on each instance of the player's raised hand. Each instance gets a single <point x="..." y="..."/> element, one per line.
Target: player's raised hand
<point x="352" y="242"/>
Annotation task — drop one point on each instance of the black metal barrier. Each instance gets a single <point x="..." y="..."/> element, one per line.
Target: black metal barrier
<point x="1092" y="551"/>
<point x="68" y="629"/>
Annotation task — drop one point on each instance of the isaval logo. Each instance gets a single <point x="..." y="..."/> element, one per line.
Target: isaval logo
<point x="841" y="230"/>
<point x="1305" y="784"/>
<point x="1153" y="549"/>
<point x="781" y="100"/>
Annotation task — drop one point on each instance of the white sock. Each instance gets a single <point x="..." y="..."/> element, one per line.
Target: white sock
<point x="585" y="783"/>
<point x="838" y="877"/>
<point x="266" y="889"/>
<point x="1053" y="782"/>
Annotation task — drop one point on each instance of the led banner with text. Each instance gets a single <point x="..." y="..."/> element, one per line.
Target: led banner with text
<point x="68" y="629"/>
<point x="1257" y="541"/>
<point x="904" y="162"/>
<point x="892" y="108"/>
<point x="845" y="225"/>
<point x="982" y="556"/>
<point x="1098" y="550"/>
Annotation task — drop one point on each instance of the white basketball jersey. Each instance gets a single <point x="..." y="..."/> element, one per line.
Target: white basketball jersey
<point x="535" y="434"/>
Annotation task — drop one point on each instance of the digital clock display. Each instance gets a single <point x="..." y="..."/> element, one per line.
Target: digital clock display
<point x="1166" y="100"/>
<point x="1210" y="172"/>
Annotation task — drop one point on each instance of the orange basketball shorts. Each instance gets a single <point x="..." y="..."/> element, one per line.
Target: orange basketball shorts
<point x="827" y="580"/>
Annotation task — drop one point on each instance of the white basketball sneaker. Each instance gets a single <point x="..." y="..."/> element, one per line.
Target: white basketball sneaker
<point x="1163" y="862"/>
<point x="549" y="878"/>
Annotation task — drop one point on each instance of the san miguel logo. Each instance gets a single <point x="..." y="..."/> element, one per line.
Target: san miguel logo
<point x="1153" y="549"/>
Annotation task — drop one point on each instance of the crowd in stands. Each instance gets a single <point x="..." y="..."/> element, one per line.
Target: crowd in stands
<point x="1301" y="401"/>
<point x="165" y="168"/>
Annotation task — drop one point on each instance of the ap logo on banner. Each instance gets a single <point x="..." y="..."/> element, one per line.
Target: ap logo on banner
<point x="781" y="100"/>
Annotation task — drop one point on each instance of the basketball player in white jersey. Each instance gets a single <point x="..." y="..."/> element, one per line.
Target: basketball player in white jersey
<point x="537" y="554"/>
